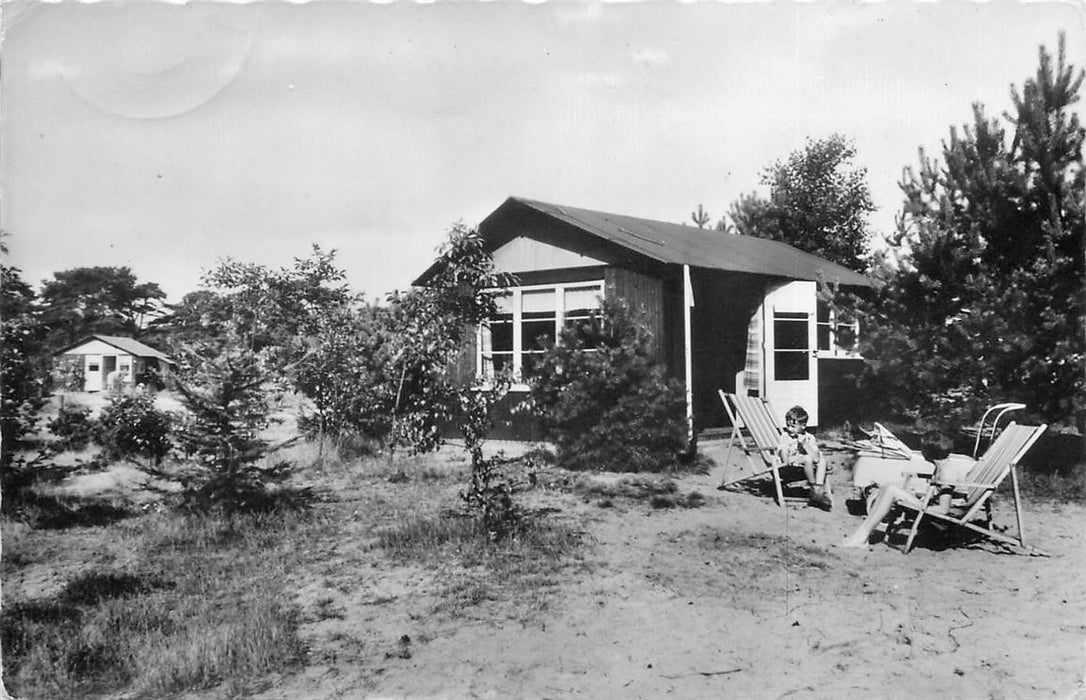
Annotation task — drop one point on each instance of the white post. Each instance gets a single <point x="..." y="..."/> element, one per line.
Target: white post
<point x="688" y="303"/>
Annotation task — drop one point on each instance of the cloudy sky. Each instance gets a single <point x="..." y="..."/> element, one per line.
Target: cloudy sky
<point x="165" y="137"/>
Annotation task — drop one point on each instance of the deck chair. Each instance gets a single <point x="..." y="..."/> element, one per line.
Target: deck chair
<point x="756" y="433"/>
<point x="1001" y="457"/>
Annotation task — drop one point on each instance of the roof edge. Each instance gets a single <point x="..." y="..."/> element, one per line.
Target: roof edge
<point x="105" y="339"/>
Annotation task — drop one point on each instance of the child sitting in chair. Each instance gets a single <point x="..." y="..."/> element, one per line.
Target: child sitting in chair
<point x="798" y="448"/>
<point x="935" y="448"/>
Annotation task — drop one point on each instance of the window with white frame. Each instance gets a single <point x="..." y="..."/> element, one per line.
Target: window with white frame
<point x="528" y="319"/>
<point x="838" y="331"/>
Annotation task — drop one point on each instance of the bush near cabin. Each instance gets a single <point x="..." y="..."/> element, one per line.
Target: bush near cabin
<point x="604" y="402"/>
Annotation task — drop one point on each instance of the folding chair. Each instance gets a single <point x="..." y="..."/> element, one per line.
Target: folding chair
<point x="756" y="433"/>
<point x="1000" y="459"/>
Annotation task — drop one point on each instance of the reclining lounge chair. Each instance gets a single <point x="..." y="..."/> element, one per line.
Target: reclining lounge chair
<point x="756" y="433"/>
<point x="1001" y="458"/>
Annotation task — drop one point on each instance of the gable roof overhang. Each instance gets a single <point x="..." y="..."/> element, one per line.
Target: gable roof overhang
<point x="627" y="240"/>
<point x="130" y="346"/>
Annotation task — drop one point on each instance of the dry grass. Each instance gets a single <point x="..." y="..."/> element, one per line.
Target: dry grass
<point x="659" y="492"/>
<point x="1066" y="486"/>
<point x="200" y="603"/>
<point x="153" y="604"/>
<point x="521" y="569"/>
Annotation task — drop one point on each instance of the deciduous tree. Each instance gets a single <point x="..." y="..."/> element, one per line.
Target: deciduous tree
<point x="818" y="201"/>
<point x="267" y="307"/>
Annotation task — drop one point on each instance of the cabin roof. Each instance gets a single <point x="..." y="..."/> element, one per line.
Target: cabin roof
<point x="669" y="243"/>
<point x="128" y="345"/>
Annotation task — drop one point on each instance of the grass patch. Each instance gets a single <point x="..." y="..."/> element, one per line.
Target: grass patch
<point x="1062" y="486"/>
<point x="660" y="493"/>
<point x="522" y="567"/>
<point x="203" y="608"/>
<point x="50" y="512"/>
<point x="160" y="604"/>
<point x="637" y="488"/>
<point x="423" y="538"/>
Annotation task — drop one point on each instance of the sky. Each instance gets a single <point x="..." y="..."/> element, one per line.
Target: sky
<point x="166" y="137"/>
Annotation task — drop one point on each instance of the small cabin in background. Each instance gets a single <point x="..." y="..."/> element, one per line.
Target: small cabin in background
<point x="729" y="312"/>
<point x="104" y="355"/>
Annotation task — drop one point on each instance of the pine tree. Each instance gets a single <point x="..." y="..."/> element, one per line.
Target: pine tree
<point x="987" y="302"/>
<point x="223" y="389"/>
<point x="700" y="217"/>
<point x="22" y="383"/>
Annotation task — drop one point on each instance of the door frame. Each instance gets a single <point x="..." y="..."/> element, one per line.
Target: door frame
<point x="796" y="298"/>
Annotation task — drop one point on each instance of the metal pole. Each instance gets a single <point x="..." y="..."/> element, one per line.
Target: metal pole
<point x="688" y="303"/>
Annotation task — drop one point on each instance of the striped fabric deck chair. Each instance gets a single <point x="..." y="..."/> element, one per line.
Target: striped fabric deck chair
<point x="1001" y="458"/>
<point x="756" y="433"/>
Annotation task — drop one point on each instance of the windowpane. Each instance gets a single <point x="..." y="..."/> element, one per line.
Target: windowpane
<point x="789" y="365"/>
<point x="790" y="330"/>
<point x="537" y="300"/>
<point x="500" y="362"/>
<point x="823" y="326"/>
<point x="846" y="337"/>
<point x="529" y="363"/>
<point x="496" y="339"/>
<point x="537" y="320"/>
<point x="533" y="313"/>
<point x="501" y="334"/>
<point x="536" y="334"/>
<point x="582" y="302"/>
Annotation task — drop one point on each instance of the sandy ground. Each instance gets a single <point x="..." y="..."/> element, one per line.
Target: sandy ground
<point x="738" y="598"/>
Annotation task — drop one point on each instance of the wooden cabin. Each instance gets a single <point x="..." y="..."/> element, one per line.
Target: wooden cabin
<point x="730" y="312"/>
<point x="127" y="359"/>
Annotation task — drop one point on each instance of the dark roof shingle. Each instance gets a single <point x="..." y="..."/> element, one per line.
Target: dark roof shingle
<point x="698" y="247"/>
<point x="128" y="345"/>
<point x="671" y="243"/>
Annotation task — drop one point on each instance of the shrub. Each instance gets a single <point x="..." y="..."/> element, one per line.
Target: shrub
<point x="489" y="496"/>
<point x="604" y="402"/>
<point x="131" y="426"/>
<point x="68" y="373"/>
<point x="222" y="386"/>
<point x="73" y="427"/>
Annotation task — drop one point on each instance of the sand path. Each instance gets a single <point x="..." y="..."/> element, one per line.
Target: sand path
<point x="737" y="598"/>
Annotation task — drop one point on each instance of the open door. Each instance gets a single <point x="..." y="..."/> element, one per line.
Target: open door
<point x="790" y="350"/>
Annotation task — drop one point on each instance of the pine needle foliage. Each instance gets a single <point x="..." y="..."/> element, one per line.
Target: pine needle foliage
<point x="985" y="296"/>
<point x="604" y="401"/>
<point x="223" y="387"/>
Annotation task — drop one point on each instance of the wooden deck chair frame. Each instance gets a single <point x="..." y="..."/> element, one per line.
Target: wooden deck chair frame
<point x="753" y="415"/>
<point x="1001" y="458"/>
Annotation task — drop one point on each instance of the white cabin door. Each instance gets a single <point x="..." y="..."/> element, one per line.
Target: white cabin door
<point x="92" y="373"/>
<point x="791" y="349"/>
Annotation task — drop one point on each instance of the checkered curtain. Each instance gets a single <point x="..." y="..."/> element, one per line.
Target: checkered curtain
<point x="751" y="379"/>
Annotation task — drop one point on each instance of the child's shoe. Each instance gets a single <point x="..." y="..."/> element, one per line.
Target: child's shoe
<point x="820" y="498"/>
